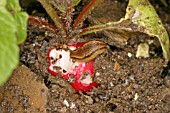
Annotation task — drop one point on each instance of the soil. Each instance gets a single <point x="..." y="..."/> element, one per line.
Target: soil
<point x="127" y="84"/>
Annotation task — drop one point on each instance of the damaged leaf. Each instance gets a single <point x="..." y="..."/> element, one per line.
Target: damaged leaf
<point x="140" y="17"/>
<point x="144" y="17"/>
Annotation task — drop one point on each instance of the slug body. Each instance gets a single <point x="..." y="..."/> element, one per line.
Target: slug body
<point x="88" y="51"/>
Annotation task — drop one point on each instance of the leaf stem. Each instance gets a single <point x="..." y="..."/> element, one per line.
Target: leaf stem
<point x="106" y="26"/>
<point x="83" y="15"/>
<point x="52" y="13"/>
<point x="42" y="23"/>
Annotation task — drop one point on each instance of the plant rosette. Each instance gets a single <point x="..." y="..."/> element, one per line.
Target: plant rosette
<point x="78" y="74"/>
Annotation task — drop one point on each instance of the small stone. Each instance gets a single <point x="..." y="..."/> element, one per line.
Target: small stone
<point x="89" y="100"/>
<point x="136" y="96"/>
<point x="143" y="50"/>
<point x="129" y="55"/>
<point x="63" y="110"/>
<point x="131" y="78"/>
<point x="72" y="106"/>
<point x="117" y="66"/>
<point x="66" y="103"/>
<point x="129" y="88"/>
<point x="111" y="84"/>
<point x="97" y="74"/>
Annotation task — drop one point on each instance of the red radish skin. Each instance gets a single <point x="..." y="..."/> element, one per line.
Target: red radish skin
<point x="77" y="71"/>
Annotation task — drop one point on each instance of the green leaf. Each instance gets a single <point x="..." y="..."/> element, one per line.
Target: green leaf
<point x="2" y="3"/>
<point x="9" y="51"/>
<point x="21" y="20"/>
<point x="12" y="31"/>
<point x="13" y="5"/>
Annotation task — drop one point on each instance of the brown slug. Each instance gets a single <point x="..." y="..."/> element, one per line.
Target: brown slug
<point x="88" y="51"/>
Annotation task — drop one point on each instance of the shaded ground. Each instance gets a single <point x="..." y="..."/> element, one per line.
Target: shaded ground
<point x="127" y="84"/>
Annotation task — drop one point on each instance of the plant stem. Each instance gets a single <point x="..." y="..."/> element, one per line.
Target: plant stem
<point x="52" y="13"/>
<point x="83" y="15"/>
<point x="42" y="23"/>
<point x="106" y="26"/>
